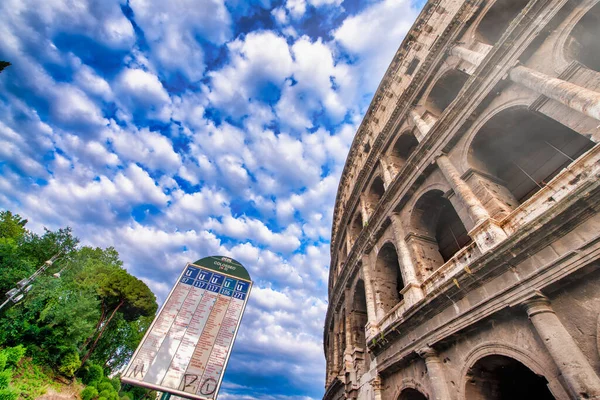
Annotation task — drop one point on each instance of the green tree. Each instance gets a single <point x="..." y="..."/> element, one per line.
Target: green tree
<point x="122" y="292"/>
<point x="12" y="226"/>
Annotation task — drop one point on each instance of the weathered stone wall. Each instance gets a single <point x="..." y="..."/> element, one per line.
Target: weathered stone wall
<point x="476" y="167"/>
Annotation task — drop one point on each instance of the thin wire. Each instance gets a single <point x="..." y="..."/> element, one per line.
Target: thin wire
<point x="560" y="151"/>
<point x="529" y="176"/>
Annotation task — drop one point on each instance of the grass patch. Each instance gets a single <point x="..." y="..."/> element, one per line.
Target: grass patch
<point x="32" y="380"/>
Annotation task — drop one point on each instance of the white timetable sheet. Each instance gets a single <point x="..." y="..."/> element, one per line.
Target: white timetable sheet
<point x="187" y="347"/>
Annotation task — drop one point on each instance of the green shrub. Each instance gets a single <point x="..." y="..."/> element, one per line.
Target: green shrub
<point x="106" y="393"/>
<point x="14" y="354"/>
<point x="5" y="377"/>
<point x="99" y="398"/>
<point x="116" y="382"/>
<point x="129" y="396"/>
<point x="89" y="393"/>
<point x="70" y="363"/>
<point x="8" y="394"/>
<point x="105" y="386"/>
<point x="2" y="360"/>
<point x="95" y="373"/>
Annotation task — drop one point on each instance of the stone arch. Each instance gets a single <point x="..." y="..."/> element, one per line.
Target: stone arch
<point x="358" y="321"/>
<point x="445" y="89"/>
<point x="411" y="394"/>
<point x="517" y="152"/>
<point x="401" y="149"/>
<point x="525" y="358"/>
<point x="387" y="278"/>
<point x="496" y="20"/>
<point x="437" y="229"/>
<point x="561" y="49"/>
<point x="375" y="192"/>
<point x="582" y="42"/>
<point x="411" y="385"/>
<point x="356" y="225"/>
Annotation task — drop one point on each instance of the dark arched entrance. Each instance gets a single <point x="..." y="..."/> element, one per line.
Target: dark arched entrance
<point x="583" y="44"/>
<point x="525" y="150"/>
<point x="411" y="394"/>
<point x="388" y="278"/>
<point x="499" y="377"/>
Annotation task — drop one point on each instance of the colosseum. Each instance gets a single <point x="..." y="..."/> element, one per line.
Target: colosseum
<point x="465" y="242"/>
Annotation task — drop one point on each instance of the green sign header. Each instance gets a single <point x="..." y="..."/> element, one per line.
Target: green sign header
<point x="224" y="265"/>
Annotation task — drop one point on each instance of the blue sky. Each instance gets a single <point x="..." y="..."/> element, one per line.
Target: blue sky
<point x="174" y="130"/>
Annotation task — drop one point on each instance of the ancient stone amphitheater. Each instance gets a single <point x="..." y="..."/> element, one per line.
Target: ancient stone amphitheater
<point x="466" y="236"/>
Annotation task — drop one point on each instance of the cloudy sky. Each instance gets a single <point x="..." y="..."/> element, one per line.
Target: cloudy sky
<point x="174" y="130"/>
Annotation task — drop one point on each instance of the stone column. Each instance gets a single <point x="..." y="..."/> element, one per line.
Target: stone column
<point x="363" y="210"/>
<point x="487" y="233"/>
<point x="574" y="96"/>
<point x="412" y="291"/>
<point x="348" y="312"/>
<point x="467" y="55"/>
<point x="474" y="207"/>
<point x="387" y="177"/>
<point x="370" y="297"/>
<point x="334" y="363"/>
<point x="422" y="126"/>
<point x="435" y="371"/>
<point x="350" y="373"/>
<point x="570" y="360"/>
<point x="377" y="389"/>
<point x="348" y="242"/>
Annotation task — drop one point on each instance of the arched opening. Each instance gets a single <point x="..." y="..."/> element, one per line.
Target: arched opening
<point x="341" y="339"/>
<point x="358" y="321"/>
<point x="411" y="394"/>
<point x="434" y="217"/>
<point x="525" y="150"/>
<point x="388" y="278"/>
<point x="376" y="191"/>
<point x="583" y="44"/>
<point x="497" y="19"/>
<point x="498" y="377"/>
<point x="359" y="314"/>
<point x="402" y="150"/>
<point x="445" y="91"/>
<point x="356" y="226"/>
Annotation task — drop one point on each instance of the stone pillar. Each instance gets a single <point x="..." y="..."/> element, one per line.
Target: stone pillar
<point x="336" y="349"/>
<point x="412" y="291"/>
<point x="435" y="371"/>
<point x="387" y="177"/>
<point x="377" y="388"/>
<point x="487" y="233"/>
<point x="348" y="242"/>
<point x="422" y="126"/>
<point x="474" y="207"/>
<point x="570" y="360"/>
<point x="363" y="210"/>
<point x="574" y="96"/>
<point x="370" y="297"/>
<point x="467" y="55"/>
<point x="349" y="370"/>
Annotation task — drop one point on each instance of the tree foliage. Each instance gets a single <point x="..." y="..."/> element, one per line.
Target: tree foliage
<point x="95" y="310"/>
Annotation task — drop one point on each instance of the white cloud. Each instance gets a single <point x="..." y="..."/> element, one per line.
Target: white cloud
<point x="172" y="27"/>
<point x="145" y="147"/>
<point x="374" y="35"/>
<point x="141" y="91"/>
<point x="258" y="59"/>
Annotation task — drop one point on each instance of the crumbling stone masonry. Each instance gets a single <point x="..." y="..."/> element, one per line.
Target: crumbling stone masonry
<point x="465" y="251"/>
